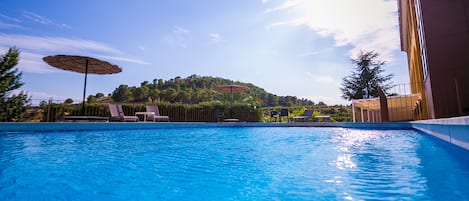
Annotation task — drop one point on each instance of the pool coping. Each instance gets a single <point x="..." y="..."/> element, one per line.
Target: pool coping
<point x="80" y="126"/>
<point x="454" y="130"/>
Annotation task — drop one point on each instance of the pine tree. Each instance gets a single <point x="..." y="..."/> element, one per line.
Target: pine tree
<point x="12" y="106"/>
<point x="367" y="77"/>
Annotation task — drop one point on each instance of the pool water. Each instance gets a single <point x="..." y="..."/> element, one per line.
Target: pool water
<point x="232" y="164"/>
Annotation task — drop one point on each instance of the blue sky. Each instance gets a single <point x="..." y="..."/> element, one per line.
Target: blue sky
<point x="288" y="47"/>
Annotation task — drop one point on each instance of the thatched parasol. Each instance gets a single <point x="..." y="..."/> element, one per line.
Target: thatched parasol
<point x="231" y="89"/>
<point x="82" y="64"/>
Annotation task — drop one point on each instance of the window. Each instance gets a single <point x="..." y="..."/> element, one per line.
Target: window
<point x="421" y="32"/>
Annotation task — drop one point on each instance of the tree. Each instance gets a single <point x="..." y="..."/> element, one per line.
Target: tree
<point x="196" y="89"/>
<point x="99" y="95"/>
<point x="367" y="77"/>
<point x="12" y="107"/>
<point x="122" y="94"/>
<point x="69" y="101"/>
<point x="91" y="99"/>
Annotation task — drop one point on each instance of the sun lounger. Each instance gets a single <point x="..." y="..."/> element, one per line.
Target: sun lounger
<point x="284" y="113"/>
<point x="117" y="114"/>
<point x="308" y="114"/>
<point x="156" y="116"/>
<point x="218" y="115"/>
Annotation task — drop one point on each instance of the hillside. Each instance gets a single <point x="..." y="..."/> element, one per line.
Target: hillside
<point x="198" y="89"/>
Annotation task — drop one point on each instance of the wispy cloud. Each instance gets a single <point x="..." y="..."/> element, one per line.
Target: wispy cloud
<point x="42" y="20"/>
<point x="348" y="22"/>
<point x="124" y="59"/>
<point x="34" y="48"/>
<point x="8" y="18"/>
<point x="285" y="5"/>
<point x="7" y="22"/>
<point x="215" y="38"/>
<point x="54" y="44"/>
<point x="180" y="30"/>
<point x="323" y="79"/>
<point x="32" y="62"/>
<point x="306" y="54"/>
<point x="264" y="1"/>
<point x="4" y="25"/>
<point x="178" y="37"/>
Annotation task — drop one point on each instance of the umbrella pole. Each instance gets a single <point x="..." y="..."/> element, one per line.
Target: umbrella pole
<point x="84" y="89"/>
<point x="231" y="105"/>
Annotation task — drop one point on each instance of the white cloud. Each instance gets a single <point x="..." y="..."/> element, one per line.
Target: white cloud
<point x="310" y="53"/>
<point x="42" y="20"/>
<point x="180" y="30"/>
<point x="124" y="59"/>
<point x="9" y="18"/>
<point x="31" y="62"/>
<point x="7" y="22"/>
<point x="323" y="79"/>
<point x="264" y="1"/>
<point x="216" y="38"/>
<point x="37" y="18"/>
<point x="54" y="44"/>
<point x="8" y="25"/>
<point x="287" y="4"/>
<point x="363" y="24"/>
<point x="178" y="37"/>
<point x="34" y="48"/>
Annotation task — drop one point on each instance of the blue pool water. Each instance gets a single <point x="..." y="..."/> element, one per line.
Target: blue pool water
<point x="232" y="164"/>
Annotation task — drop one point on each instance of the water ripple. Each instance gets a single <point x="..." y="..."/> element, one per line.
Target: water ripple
<point x="230" y="164"/>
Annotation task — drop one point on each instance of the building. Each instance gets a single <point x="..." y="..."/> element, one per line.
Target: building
<point x="435" y="36"/>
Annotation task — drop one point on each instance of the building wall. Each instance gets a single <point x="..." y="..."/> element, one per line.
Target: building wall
<point x="436" y="39"/>
<point x="447" y="43"/>
<point x="410" y="40"/>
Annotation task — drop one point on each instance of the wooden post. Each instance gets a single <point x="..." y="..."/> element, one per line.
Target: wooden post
<point x="362" y="115"/>
<point x="383" y="102"/>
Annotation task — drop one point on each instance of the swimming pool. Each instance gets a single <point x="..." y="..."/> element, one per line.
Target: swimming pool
<point x="231" y="163"/>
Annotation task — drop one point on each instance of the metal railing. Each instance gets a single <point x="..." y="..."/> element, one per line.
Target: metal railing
<point x="405" y="102"/>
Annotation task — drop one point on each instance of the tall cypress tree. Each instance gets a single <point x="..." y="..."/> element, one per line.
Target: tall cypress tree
<point x="12" y="106"/>
<point x="367" y="77"/>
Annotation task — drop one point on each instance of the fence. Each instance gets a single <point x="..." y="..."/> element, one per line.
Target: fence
<point x="177" y="112"/>
<point x="405" y="102"/>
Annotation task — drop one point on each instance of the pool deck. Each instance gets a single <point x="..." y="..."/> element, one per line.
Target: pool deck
<point x="452" y="130"/>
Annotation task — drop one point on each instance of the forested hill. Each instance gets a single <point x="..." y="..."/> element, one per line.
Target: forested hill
<point x="197" y="89"/>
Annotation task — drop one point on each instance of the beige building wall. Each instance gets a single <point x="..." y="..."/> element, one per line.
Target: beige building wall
<point x="435" y="36"/>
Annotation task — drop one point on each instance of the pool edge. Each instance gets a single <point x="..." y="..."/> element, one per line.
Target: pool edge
<point x="452" y="130"/>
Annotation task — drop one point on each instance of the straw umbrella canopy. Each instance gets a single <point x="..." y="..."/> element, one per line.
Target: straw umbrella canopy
<point x="82" y="64"/>
<point x="231" y="89"/>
